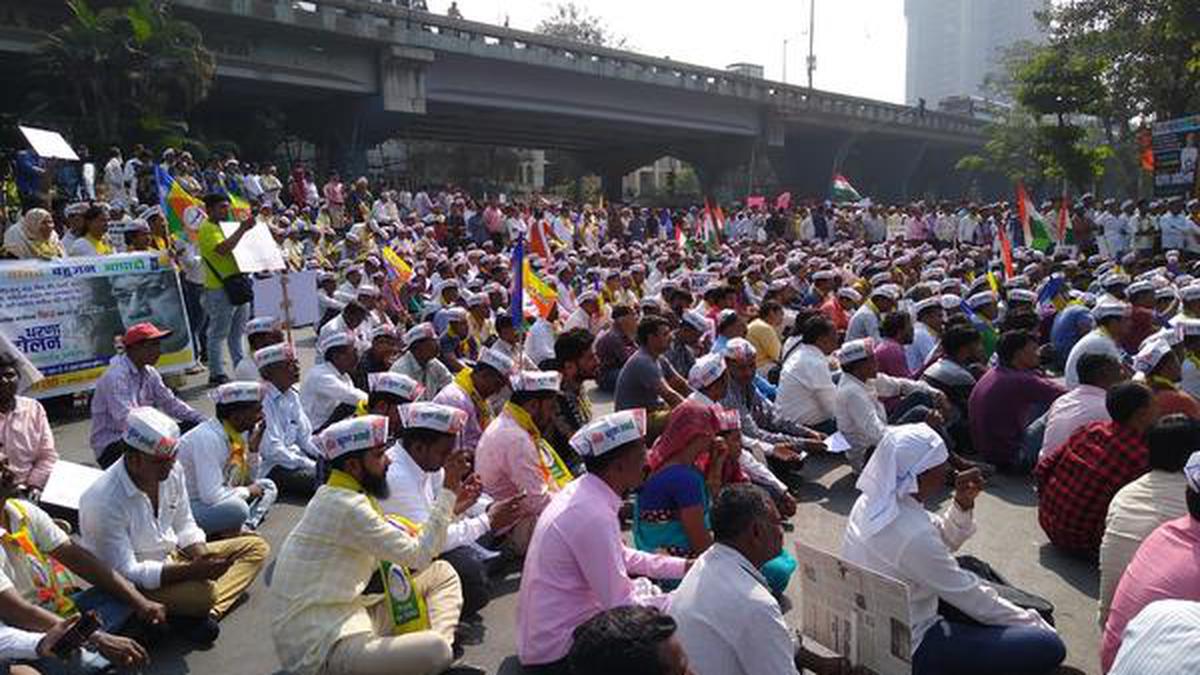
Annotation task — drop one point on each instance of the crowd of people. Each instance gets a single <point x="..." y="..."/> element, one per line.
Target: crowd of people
<point x="447" y="431"/>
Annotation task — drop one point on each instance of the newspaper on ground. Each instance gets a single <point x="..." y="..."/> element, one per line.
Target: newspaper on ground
<point x="854" y="612"/>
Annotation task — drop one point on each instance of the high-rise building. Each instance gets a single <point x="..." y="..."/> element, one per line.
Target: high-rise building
<point x="954" y="44"/>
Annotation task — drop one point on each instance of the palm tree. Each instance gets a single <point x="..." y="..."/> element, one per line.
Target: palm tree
<point x="126" y="69"/>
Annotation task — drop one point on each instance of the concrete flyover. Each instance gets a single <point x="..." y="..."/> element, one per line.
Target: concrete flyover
<point x="355" y="72"/>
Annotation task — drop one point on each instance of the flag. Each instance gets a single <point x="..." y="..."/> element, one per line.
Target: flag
<point x="1005" y="249"/>
<point x="710" y="224"/>
<point x="1033" y="225"/>
<point x="539" y="239"/>
<point x="517" y="304"/>
<point x="993" y="282"/>
<point x="843" y="192"/>
<point x="183" y="212"/>
<point x="1064" y="219"/>
<point x="398" y="270"/>
<point x="240" y="208"/>
<point x="1051" y="293"/>
<point x="540" y="295"/>
<point x="783" y="201"/>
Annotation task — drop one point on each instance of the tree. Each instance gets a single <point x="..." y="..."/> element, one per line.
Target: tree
<point x="572" y="22"/>
<point x="126" y="70"/>
<point x="1148" y="51"/>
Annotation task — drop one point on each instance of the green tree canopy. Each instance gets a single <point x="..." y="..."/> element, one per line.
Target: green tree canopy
<point x="572" y="22"/>
<point x="127" y="70"/>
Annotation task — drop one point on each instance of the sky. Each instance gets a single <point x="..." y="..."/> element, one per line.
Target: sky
<point x="859" y="43"/>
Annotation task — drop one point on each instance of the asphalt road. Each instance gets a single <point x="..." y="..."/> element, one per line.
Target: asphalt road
<point x="1009" y="538"/>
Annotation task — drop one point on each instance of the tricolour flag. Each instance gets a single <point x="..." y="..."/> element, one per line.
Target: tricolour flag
<point x="539" y="239"/>
<point x="183" y="212"/>
<point x="1005" y="249"/>
<point x="1033" y="225"/>
<point x="843" y="192"/>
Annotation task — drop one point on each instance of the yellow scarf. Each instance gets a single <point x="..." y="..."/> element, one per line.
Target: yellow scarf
<point x="237" y="468"/>
<point x="52" y="582"/>
<point x="102" y="247"/>
<point x="555" y="473"/>
<point x="45" y="249"/>
<point x="408" y="610"/>
<point x="1160" y="382"/>
<point x="482" y="411"/>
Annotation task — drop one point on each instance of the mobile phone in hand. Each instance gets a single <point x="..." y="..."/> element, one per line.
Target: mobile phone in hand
<point x="74" y="638"/>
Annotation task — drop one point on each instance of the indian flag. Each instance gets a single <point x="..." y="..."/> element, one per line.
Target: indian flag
<point x="843" y="192"/>
<point x="1034" y="226"/>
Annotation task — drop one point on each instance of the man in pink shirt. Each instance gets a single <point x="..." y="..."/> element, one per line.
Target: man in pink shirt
<point x="513" y="457"/>
<point x="335" y="199"/>
<point x="578" y="565"/>
<point x="1082" y="405"/>
<point x="26" y="441"/>
<point x="1164" y="568"/>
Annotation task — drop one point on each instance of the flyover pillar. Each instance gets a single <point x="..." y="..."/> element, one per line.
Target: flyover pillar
<point x="611" y="185"/>
<point x="402" y="78"/>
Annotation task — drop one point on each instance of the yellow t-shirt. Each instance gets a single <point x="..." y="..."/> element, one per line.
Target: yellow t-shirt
<point x="207" y="239"/>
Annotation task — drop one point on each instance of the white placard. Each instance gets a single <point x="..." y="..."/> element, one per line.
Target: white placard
<point x="302" y="293"/>
<point x="48" y="144"/>
<point x="257" y="251"/>
<point x="67" y="483"/>
<point x="836" y="444"/>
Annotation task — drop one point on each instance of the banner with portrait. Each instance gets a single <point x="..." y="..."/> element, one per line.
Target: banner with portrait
<point x="68" y="316"/>
<point x="1176" y="148"/>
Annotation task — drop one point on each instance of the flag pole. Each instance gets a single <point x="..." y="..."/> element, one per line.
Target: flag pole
<point x="284" y="279"/>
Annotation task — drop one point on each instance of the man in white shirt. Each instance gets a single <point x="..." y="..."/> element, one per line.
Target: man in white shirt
<point x="806" y="390"/>
<point x="729" y="623"/>
<point x="1112" y="322"/>
<point x="420" y="361"/>
<point x="220" y="461"/>
<point x="539" y="343"/>
<point x="861" y="417"/>
<point x="1082" y="405"/>
<point x="137" y="519"/>
<point x="415" y="476"/>
<point x="927" y="330"/>
<point x="865" y="320"/>
<point x="288" y="452"/>
<point x="1141" y="506"/>
<point x="327" y="392"/>
<point x="261" y="331"/>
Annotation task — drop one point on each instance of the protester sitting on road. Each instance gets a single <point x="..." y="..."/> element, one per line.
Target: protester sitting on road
<point x="1140" y="507"/>
<point x="961" y="351"/>
<point x="41" y="567"/>
<point x="288" y="452"/>
<point x="647" y="380"/>
<point x="635" y="640"/>
<point x="420" y="361"/>
<point x="891" y="533"/>
<point x="615" y="345"/>
<point x="137" y="518"/>
<point x="261" y="331"/>
<point x="861" y="415"/>
<point x="471" y="391"/>
<point x="326" y="391"/>
<point x="577" y="564"/>
<point x="729" y="623"/>
<point x="221" y="461"/>
<point x="321" y="622"/>
<point x="1076" y="483"/>
<point x="379" y="357"/>
<point x="807" y="394"/>
<point x="513" y="457"/>
<point x="1098" y="373"/>
<point x="1112" y="322"/>
<point x="1163" y="639"/>
<point x="576" y="362"/>
<point x="1010" y="396"/>
<point x="1163" y="568"/>
<point x="1158" y="366"/>
<point x="131" y="381"/>
<point x="415" y="475"/>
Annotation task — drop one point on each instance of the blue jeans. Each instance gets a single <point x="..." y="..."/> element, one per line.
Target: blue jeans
<point x="226" y="323"/>
<point x="113" y="613"/>
<point x="230" y="514"/>
<point x="949" y="648"/>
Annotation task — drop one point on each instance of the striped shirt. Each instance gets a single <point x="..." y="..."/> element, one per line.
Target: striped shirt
<point x="1163" y="639"/>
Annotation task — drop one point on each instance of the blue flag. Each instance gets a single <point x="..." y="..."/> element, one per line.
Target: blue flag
<point x="517" y="306"/>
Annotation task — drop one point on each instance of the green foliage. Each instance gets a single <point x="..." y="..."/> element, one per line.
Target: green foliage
<point x="125" y="72"/>
<point x="1054" y="82"/>
<point x="572" y="22"/>
<point x="1148" y="52"/>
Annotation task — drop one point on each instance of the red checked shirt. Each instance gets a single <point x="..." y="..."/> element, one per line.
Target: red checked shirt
<point x="1076" y="484"/>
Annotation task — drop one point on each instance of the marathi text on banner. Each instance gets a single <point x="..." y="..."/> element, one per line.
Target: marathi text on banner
<point x="66" y="316"/>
